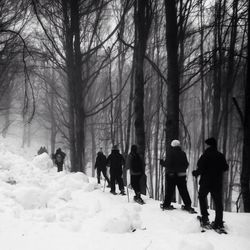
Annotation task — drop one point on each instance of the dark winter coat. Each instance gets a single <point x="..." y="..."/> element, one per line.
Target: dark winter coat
<point x="101" y="161"/>
<point x="211" y="166"/>
<point x="176" y="161"/>
<point x="59" y="157"/>
<point x="135" y="164"/>
<point x="115" y="161"/>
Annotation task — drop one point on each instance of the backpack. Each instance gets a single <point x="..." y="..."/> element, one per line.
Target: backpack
<point x="59" y="158"/>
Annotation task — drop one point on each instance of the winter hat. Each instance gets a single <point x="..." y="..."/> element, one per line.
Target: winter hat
<point x="133" y="148"/>
<point x="100" y="152"/>
<point x="115" y="147"/>
<point x="211" y="142"/>
<point x="58" y="150"/>
<point x="175" y="143"/>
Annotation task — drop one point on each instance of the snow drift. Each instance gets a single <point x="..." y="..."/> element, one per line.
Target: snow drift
<point x="43" y="209"/>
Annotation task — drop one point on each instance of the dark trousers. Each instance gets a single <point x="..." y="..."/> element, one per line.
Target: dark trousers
<point x="116" y="177"/>
<point x="104" y="172"/>
<point x="59" y="167"/>
<point x="135" y="183"/>
<point x="216" y="195"/>
<point x="174" y="180"/>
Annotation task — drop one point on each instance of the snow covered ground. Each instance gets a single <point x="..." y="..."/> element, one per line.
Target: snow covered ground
<point x="41" y="209"/>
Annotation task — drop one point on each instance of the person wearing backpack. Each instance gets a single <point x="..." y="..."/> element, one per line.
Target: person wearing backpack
<point x="101" y="167"/>
<point x="116" y="162"/>
<point x="176" y="165"/>
<point x="211" y="166"/>
<point x="135" y="164"/>
<point x="58" y="158"/>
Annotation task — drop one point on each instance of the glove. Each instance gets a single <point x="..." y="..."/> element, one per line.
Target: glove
<point x="195" y="173"/>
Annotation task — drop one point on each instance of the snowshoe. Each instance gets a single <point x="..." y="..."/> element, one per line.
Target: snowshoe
<point x="164" y="207"/>
<point x="139" y="200"/>
<point x="218" y="228"/>
<point x="188" y="209"/>
<point x="204" y="224"/>
<point x="221" y="230"/>
<point x="122" y="192"/>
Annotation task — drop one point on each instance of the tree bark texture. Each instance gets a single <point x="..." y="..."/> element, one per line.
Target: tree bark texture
<point x="172" y="122"/>
<point x="75" y="84"/>
<point x="142" y="17"/>
<point x="245" y="173"/>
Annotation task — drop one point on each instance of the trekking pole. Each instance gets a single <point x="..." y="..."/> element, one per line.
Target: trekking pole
<point x="162" y="185"/>
<point x="127" y="192"/>
<point x="196" y="185"/>
<point x="148" y="192"/>
<point x="197" y="188"/>
<point x="104" y="185"/>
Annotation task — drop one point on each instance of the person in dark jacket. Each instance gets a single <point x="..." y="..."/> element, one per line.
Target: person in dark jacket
<point x="176" y="164"/>
<point x="116" y="161"/>
<point x="58" y="158"/>
<point x="101" y="167"/>
<point x="135" y="164"/>
<point x="211" y="166"/>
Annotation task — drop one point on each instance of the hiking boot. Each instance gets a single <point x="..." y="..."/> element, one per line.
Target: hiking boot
<point x="165" y="207"/>
<point x="135" y="198"/>
<point x="215" y="225"/>
<point x="189" y="209"/>
<point x="139" y="200"/>
<point x="113" y="192"/>
<point x="122" y="192"/>
<point x="205" y="222"/>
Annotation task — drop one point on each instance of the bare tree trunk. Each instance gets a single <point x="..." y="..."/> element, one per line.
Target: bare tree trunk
<point x="143" y="20"/>
<point x="112" y="120"/>
<point x="92" y="132"/>
<point x="52" y="115"/>
<point x="172" y="123"/>
<point x="80" y="112"/>
<point x="71" y="86"/>
<point x="229" y="83"/>
<point x="149" y="98"/>
<point x="157" y="122"/>
<point x="75" y="84"/>
<point x="121" y="62"/>
<point x="245" y="173"/>
<point x="129" y="116"/>
<point x="217" y="57"/>
<point x="202" y="77"/>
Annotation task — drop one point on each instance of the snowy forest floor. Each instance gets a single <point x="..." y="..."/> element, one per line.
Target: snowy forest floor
<point x="41" y="209"/>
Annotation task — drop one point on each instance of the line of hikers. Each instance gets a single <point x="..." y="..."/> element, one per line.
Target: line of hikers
<point x="210" y="167"/>
<point x="115" y="161"/>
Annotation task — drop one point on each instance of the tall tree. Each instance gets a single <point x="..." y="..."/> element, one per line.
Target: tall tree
<point x="245" y="173"/>
<point x="172" y="122"/>
<point x="14" y="50"/>
<point x="143" y="19"/>
<point x="228" y="87"/>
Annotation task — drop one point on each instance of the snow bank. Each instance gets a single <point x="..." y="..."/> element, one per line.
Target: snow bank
<point x="44" y="209"/>
<point x="43" y="161"/>
<point x="194" y="244"/>
<point x="122" y="220"/>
